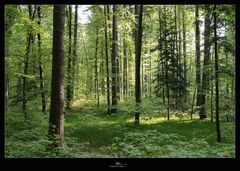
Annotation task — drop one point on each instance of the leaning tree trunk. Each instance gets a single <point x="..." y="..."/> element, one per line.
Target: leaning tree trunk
<point x="56" y="120"/>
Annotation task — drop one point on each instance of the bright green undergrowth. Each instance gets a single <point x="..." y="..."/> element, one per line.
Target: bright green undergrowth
<point x="89" y="133"/>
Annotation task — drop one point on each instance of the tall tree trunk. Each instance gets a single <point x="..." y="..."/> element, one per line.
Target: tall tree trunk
<point x="181" y="93"/>
<point x="114" y="62"/>
<point x="184" y="50"/>
<point x="69" y="68"/>
<point x="102" y="69"/>
<point x="142" y="81"/>
<point x="124" y="62"/>
<point x="96" y="69"/>
<point x="166" y="63"/>
<point x="216" y="76"/>
<point x="160" y="53"/>
<point x="150" y="73"/>
<point x="26" y="62"/>
<point x="106" y="53"/>
<point x="56" y="120"/>
<point x="138" y="50"/>
<point x="9" y="23"/>
<point x="74" y="56"/>
<point x="211" y="74"/>
<point x="40" y="63"/>
<point x="198" y="63"/>
<point x="207" y="46"/>
<point x="176" y="53"/>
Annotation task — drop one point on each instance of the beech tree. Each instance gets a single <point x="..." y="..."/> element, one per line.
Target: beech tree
<point x="56" y="120"/>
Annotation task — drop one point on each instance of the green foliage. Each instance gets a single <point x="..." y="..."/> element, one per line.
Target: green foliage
<point x="153" y="143"/>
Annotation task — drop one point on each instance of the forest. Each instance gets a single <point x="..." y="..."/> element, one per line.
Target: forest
<point x="119" y="81"/>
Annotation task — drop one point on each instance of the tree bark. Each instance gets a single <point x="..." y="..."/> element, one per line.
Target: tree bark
<point x="198" y="64"/>
<point x="56" y="120"/>
<point x="74" y="56"/>
<point x="69" y="69"/>
<point x="106" y="53"/>
<point x="216" y="76"/>
<point x="207" y="46"/>
<point x="96" y="69"/>
<point x="184" y="50"/>
<point x="26" y="62"/>
<point x="9" y="23"/>
<point x="114" y="62"/>
<point x="138" y="50"/>
<point x="40" y="63"/>
<point x="125" y="68"/>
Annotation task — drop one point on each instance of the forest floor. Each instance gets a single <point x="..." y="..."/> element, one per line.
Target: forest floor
<point x="90" y="133"/>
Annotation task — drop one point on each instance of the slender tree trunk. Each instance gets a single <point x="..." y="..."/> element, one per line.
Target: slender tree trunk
<point x="176" y="53"/>
<point x="114" y="62"/>
<point x="160" y="54"/>
<point x="40" y="64"/>
<point x="106" y="52"/>
<point x="56" y="119"/>
<point x="198" y="64"/>
<point x="69" y="68"/>
<point x="211" y="74"/>
<point x="138" y="49"/>
<point x="205" y="77"/>
<point x="102" y="68"/>
<point x="150" y="73"/>
<point x="74" y="49"/>
<point x="96" y="69"/>
<point x="181" y="93"/>
<point x="184" y="50"/>
<point x="166" y="63"/>
<point x="216" y="77"/>
<point x="26" y="63"/>
<point x="9" y="23"/>
<point x="194" y="94"/>
<point x="142" y="81"/>
<point x="124" y="64"/>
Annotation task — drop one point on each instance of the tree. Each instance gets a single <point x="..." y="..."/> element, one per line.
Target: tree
<point x="125" y="63"/>
<point x="106" y="53"/>
<point x="205" y="74"/>
<point x="56" y="119"/>
<point x="9" y="23"/>
<point x="184" y="48"/>
<point x="40" y="64"/>
<point x="69" y="68"/>
<point x="198" y="63"/>
<point x="138" y="50"/>
<point x="96" y="68"/>
<point x="75" y="33"/>
<point x="114" y="62"/>
<point x="216" y="75"/>
<point x="32" y="12"/>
